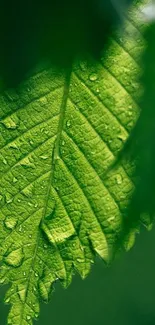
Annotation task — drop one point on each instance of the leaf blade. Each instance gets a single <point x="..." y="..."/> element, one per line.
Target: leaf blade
<point x="59" y="135"/>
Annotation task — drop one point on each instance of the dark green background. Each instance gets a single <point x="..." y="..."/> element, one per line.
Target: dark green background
<point x="123" y="294"/>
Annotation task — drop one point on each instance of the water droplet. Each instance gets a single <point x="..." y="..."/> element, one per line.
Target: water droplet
<point x="9" y="198"/>
<point x="118" y="179"/>
<point x="27" y="191"/>
<point x="36" y="274"/>
<point x="148" y="12"/>
<point x="45" y="246"/>
<point x="44" y="157"/>
<point x="63" y="142"/>
<point x="15" y="258"/>
<point x="10" y="222"/>
<point x="30" y="236"/>
<point x="28" y="317"/>
<point x="20" y="229"/>
<point x="2" y="280"/>
<point x="68" y="123"/>
<point x="9" y="123"/>
<point x="30" y="204"/>
<point x="7" y="300"/>
<point x="15" y="180"/>
<point x="26" y="163"/>
<point x="111" y="219"/>
<point x="4" y="161"/>
<point x="36" y="315"/>
<point x="97" y="90"/>
<point x="13" y="145"/>
<point x="80" y="260"/>
<point x="122" y="137"/>
<point x="93" y="77"/>
<point x="24" y="273"/>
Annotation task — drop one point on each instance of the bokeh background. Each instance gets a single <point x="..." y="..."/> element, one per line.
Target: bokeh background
<point x="122" y="294"/>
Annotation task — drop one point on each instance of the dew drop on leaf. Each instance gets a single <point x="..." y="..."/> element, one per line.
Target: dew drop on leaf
<point x="34" y="288"/>
<point x="10" y="222"/>
<point x="9" y="123"/>
<point x="80" y="260"/>
<point x="93" y="77"/>
<point x="118" y="179"/>
<point x="44" y="157"/>
<point x="15" y="258"/>
<point x="26" y="163"/>
<point x="9" y="198"/>
<point x="2" y="280"/>
<point x="28" y="317"/>
<point x="15" y="180"/>
<point x="20" y="229"/>
<point x="68" y="123"/>
<point x="4" y="161"/>
<point x="122" y="137"/>
<point x="36" y="315"/>
<point x="13" y="145"/>
<point x="7" y="300"/>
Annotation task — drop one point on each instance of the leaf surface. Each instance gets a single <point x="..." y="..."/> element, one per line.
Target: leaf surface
<point x="59" y="134"/>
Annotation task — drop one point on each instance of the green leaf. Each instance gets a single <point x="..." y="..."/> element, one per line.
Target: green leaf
<point x="59" y="134"/>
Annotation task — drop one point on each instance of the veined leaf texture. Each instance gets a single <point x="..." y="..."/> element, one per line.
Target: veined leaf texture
<point x="60" y="131"/>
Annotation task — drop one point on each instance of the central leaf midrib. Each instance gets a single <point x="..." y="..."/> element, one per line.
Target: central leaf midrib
<point x="55" y="157"/>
